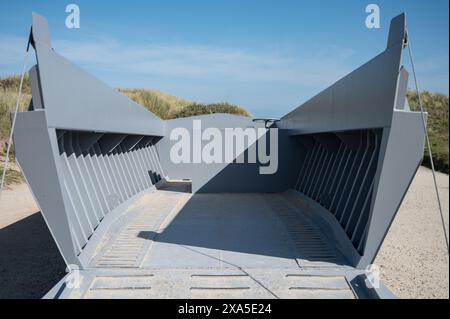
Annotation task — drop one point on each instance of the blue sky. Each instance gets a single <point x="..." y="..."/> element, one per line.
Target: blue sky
<point x="269" y="56"/>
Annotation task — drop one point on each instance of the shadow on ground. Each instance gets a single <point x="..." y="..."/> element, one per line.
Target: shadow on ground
<point x="30" y="263"/>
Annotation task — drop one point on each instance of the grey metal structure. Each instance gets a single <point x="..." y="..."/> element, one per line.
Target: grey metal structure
<point x="98" y="165"/>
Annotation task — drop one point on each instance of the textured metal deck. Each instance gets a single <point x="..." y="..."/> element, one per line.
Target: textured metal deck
<point x="213" y="283"/>
<point x="174" y="244"/>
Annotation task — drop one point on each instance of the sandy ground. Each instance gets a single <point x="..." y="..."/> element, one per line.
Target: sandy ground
<point x="30" y="263"/>
<point x="413" y="260"/>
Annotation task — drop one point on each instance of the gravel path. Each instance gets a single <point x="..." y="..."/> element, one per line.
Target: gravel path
<point x="413" y="259"/>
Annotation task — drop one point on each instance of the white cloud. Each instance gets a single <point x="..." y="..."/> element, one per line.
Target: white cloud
<point x="201" y="61"/>
<point x="314" y="69"/>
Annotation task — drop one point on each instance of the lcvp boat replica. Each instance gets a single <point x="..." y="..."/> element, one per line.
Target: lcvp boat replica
<point x="133" y="223"/>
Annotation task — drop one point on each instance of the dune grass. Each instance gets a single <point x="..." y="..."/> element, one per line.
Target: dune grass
<point x="13" y="176"/>
<point x="9" y="88"/>
<point x="162" y="104"/>
<point x="167" y="106"/>
<point x="437" y="107"/>
<point x="202" y="109"/>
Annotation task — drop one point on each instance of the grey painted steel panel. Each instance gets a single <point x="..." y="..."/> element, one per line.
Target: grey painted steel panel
<point x="186" y="170"/>
<point x="89" y="132"/>
<point x="35" y="156"/>
<point x="233" y="177"/>
<point x="35" y="88"/>
<point x="368" y="99"/>
<point x="363" y="99"/>
<point x="401" y="102"/>
<point x="76" y="100"/>
<point x="395" y="176"/>
<point x="347" y="166"/>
